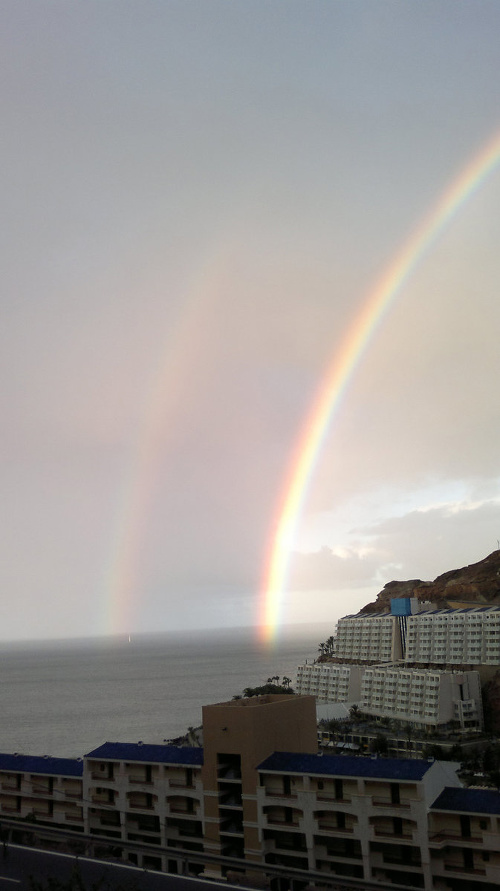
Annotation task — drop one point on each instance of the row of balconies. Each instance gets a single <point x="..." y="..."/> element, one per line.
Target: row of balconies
<point x="54" y="810"/>
<point x="136" y="779"/>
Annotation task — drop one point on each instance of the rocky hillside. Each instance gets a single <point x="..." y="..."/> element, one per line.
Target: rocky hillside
<point x="478" y="584"/>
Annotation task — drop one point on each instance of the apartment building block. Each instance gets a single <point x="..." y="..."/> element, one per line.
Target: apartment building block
<point x="369" y="638"/>
<point x="467" y="636"/>
<point x="150" y="794"/>
<point x="362" y="818"/>
<point x="464" y="839"/>
<point x="260" y="794"/>
<point x="400" y="664"/>
<point x="429" y="699"/>
<point x="329" y="681"/>
<point x="42" y="788"/>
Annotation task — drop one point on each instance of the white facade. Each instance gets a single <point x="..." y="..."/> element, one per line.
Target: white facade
<point x="369" y="638"/>
<point x="329" y="681"/>
<point x="422" y="696"/>
<point x="455" y="636"/>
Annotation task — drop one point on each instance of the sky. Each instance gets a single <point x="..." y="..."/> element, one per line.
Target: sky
<point x="198" y="198"/>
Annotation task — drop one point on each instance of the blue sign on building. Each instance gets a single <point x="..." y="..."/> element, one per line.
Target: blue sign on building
<point x="401" y="606"/>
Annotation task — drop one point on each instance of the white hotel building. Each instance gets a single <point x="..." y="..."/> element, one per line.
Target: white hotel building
<point x="415" y="664"/>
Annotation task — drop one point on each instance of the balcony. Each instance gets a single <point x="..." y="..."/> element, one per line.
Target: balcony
<point x="464" y="870"/>
<point x="330" y="797"/>
<point x="178" y="811"/>
<point x="281" y="821"/>
<point x="383" y="833"/>
<point x="143" y="802"/>
<point x="330" y="826"/>
<point x="444" y="838"/>
<point x="276" y="793"/>
<point x="103" y="772"/>
<point x="387" y="802"/>
<point x="42" y="812"/>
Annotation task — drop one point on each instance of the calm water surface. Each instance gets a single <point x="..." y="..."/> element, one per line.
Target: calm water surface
<point x="66" y="698"/>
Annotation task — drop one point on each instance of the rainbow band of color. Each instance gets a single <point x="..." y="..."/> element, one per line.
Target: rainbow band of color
<point x="341" y="370"/>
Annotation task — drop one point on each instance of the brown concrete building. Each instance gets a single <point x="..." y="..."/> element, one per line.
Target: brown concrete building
<point x="240" y="735"/>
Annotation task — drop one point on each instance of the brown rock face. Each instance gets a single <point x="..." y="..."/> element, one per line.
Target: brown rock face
<point x="477" y="584"/>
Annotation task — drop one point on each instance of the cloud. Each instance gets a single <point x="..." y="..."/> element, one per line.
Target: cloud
<point x="326" y="569"/>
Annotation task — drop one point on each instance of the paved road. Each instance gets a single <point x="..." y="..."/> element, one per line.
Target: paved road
<point x="21" y="863"/>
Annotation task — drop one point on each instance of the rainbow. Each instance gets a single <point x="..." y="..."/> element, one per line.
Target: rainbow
<point x="341" y="370"/>
<point x="137" y="493"/>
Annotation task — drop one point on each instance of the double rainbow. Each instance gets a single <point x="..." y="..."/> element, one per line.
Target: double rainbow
<point x="340" y="371"/>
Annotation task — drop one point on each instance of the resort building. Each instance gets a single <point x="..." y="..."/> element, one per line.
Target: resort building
<point x="148" y="794"/>
<point x="42" y="788"/>
<point x="260" y="800"/>
<point x="329" y="681"/>
<point x="415" y="633"/>
<point x="369" y="638"/>
<point x="469" y="636"/>
<point x="435" y="700"/>
<point x="414" y="664"/>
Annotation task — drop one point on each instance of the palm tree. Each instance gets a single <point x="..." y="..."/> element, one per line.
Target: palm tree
<point x="330" y="645"/>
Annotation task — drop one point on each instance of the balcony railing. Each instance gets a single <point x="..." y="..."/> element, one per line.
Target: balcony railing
<point x="387" y="802"/>
<point x="386" y="833"/>
<point x="474" y="871"/>
<point x="324" y="796"/>
<point x="455" y="836"/>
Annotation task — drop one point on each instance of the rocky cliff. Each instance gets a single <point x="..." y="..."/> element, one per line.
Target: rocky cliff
<point x="474" y="585"/>
<point x="477" y="584"/>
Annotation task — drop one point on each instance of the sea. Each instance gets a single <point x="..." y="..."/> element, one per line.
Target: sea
<point x="65" y="698"/>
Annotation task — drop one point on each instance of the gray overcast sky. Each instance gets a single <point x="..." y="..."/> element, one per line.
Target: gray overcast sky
<point x="197" y="198"/>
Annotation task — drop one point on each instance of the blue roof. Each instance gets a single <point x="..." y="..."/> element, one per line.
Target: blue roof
<point x="66" y="767"/>
<point x="473" y="801"/>
<point x="344" y="766"/>
<point x="116" y="751"/>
